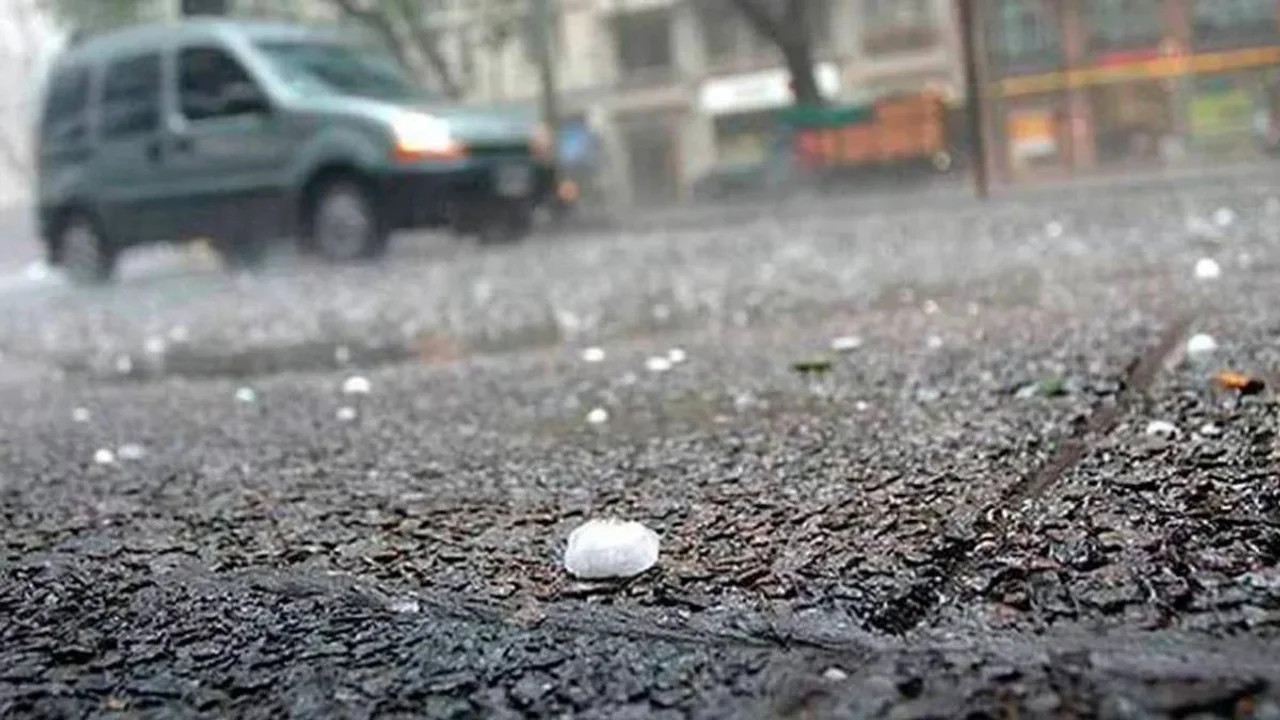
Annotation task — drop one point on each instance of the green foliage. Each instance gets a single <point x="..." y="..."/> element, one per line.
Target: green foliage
<point x="96" y="15"/>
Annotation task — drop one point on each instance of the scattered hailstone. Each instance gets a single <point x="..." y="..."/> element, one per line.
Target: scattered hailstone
<point x="246" y="395"/>
<point x="846" y="343"/>
<point x="1053" y="229"/>
<point x="155" y="345"/>
<point x="1200" y="345"/>
<point x="1207" y="269"/>
<point x="1162" y="429"/>
<point x="1209" y="430"/>
<point x="598" y="416"/>
<point x="657" y="364"/>
<point x="934" y="342"/>
<point x="356" y="385"/>
<point x="593" y="354"/>
<point x="178" y="333"/>
<point x="930" y="307"/>
<point x="404" y="606"/>
<point x="677" y="355"/>
<point x="124" y="364"/>
<point x="610" y="549"/>
<point x="104" y="456"/>
<point x="834" y="674"/>
<point x="342" y="354"/>
<point x="36" y="270"/>
<point x="80" y="415"/>
<point x="1224" y="216"/>
<point x="131" y="451"/>
<point x="346" y="413"/>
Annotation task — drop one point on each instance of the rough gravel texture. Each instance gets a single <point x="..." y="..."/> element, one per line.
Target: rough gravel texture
<point x="963" y="517"/>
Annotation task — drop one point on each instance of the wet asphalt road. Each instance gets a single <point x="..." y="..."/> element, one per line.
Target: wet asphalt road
<point x="962" y="517"/>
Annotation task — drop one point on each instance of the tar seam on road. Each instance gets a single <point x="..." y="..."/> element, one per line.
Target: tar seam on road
<point x="922" y="602"/>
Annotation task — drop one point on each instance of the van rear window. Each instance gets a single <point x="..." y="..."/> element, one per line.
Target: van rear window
<point x="66" y="101"/>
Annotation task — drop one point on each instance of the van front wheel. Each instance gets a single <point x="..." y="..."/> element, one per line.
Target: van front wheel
<point x="344" y="223"/>
<point x="86" y="255"/>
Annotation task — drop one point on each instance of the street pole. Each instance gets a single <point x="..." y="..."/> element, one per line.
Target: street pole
<point x="975" y="97"/>
<point x="544" y="18"/>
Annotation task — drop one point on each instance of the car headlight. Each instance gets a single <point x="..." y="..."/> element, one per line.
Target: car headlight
<point x="419" y="136"/>
<point x="543" y="143"/>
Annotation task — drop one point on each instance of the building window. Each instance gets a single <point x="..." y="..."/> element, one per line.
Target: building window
<point x="1217" y="22"/>
<point x="1122" y="24"/>
<point x="643" y="45"/>
<point x="898" y="25"/>
<point x="1024" y="34"/>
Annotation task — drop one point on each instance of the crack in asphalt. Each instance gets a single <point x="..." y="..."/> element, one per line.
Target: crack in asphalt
<point x="921" y="603"/>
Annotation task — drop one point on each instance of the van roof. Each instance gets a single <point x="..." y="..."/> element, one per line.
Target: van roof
<point x="140" y="36"/>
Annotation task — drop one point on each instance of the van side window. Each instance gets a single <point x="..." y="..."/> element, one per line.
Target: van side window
<point x="204" y="75"/>
<point x="131" y="97"/>
<point x="63" y="120"/>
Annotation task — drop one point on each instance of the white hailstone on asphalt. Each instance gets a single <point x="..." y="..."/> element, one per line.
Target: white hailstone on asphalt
<point x="155" y="345"/>
<point x="1224" y="216"/>
<point x="342" y="354"/>
<point x="124" y="364"/>
<point x="657" y="364"/>
<point x="178" y="333"/>
<point x="1209" y="430"/>
<point x="36" y="270"/>
<point x="1053" y="229"/>
<point x="80" y="415"/>
<point x="404" y="606"/>
<point x="246" y="395"/>
<point x="846" y="343"/>
<point x="104" y="456"/>
<point x="356" y="385"/>
<point x="1207" y="269"/>
<point x="131" y="451"/>
<point x="1200" y="345"/>
<point x="677" y="355"/>
<point x="346" y="413"/>
<point x="834" y="674"/>
<point x="930" y="307"/>
<point x="934" y="342"/>
<point x="610" y="549"/>
<point x="598" y="416"/>
<point x="593" y="354"/>
<point x="862" y="406"/>
<point x="1162" y="429"/>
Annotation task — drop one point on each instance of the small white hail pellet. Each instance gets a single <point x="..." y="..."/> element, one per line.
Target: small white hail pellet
<point x="356" y="385"/>
<point x="104" y="456"/>
<point x="598" y="416"/>
<point x="1200" y="345"/>
<point x="1162" y="429"/>
<point x="677" y="355"/>
<point x="1208" y="269"/>
<point x="593" y="354"/>
<point x="657" y="364"/>
<point x="610" y="548"/>
<point x="246" y="395"/>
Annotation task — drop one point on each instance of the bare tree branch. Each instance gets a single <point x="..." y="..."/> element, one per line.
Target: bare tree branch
<point x="379" y="23"/>
<point x="762" y="21"/>
<point x="428" y="44"/>
<point x="789" y="31"/>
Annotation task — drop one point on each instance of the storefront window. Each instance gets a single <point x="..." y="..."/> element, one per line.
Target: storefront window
<point x="1123" y="24"/>
<point x="898" y="25"/>
<point x="1133" y="122"/>
<point x="1024" y="34"/>
<point x="1230" y="22"/>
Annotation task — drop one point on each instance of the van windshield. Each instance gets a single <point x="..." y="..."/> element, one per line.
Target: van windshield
<point x="342" y="69"/>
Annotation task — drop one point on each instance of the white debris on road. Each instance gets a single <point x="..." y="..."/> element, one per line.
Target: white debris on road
<point x="846" y="343"/>
<point x="610" y="549"/>
<point x="1162" y="429"/>
<point x="657" y="364"/>
<point x="246" y="395"/>
<point x="677" y="355"/>
<point x="346" y="413"/>
<point x="356" y="385"/>
<point x="593" y="354"/>
<point x="131" y="451"/>
<point x="104" y="456"/>
<point x="1224" y="216"/>
<point x="155" y="345"/>
<point x="80" y="415"/>
<point x="1053" y="229"/>
<point x="1200" y="345"/>
<point x="834" y="674"/>
<point x="1207" y="269"/>
<point x="598" y="416"/>
<point x="1209" y="430"/>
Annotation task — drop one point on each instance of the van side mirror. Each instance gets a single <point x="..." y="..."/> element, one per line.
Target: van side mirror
<point x="242" y="98"/>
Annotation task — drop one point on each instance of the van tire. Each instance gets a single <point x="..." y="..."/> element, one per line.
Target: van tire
<point x="343" y="222"/>
<point x="86" y="255"/>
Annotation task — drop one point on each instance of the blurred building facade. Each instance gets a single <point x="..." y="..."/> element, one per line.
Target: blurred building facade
<point x="1095" y="85"/>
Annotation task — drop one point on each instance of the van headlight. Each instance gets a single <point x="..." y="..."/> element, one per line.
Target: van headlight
<point x="419" y="136"/>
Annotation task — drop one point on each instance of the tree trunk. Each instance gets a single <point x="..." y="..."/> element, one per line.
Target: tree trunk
<point x="804" y="83"/>
<point x="789" y="31"/>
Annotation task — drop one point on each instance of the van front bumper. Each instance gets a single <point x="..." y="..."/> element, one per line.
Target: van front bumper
<point x="461" y="194"/>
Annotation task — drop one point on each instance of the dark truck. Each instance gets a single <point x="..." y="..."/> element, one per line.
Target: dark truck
<point x="243" y="132"/>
